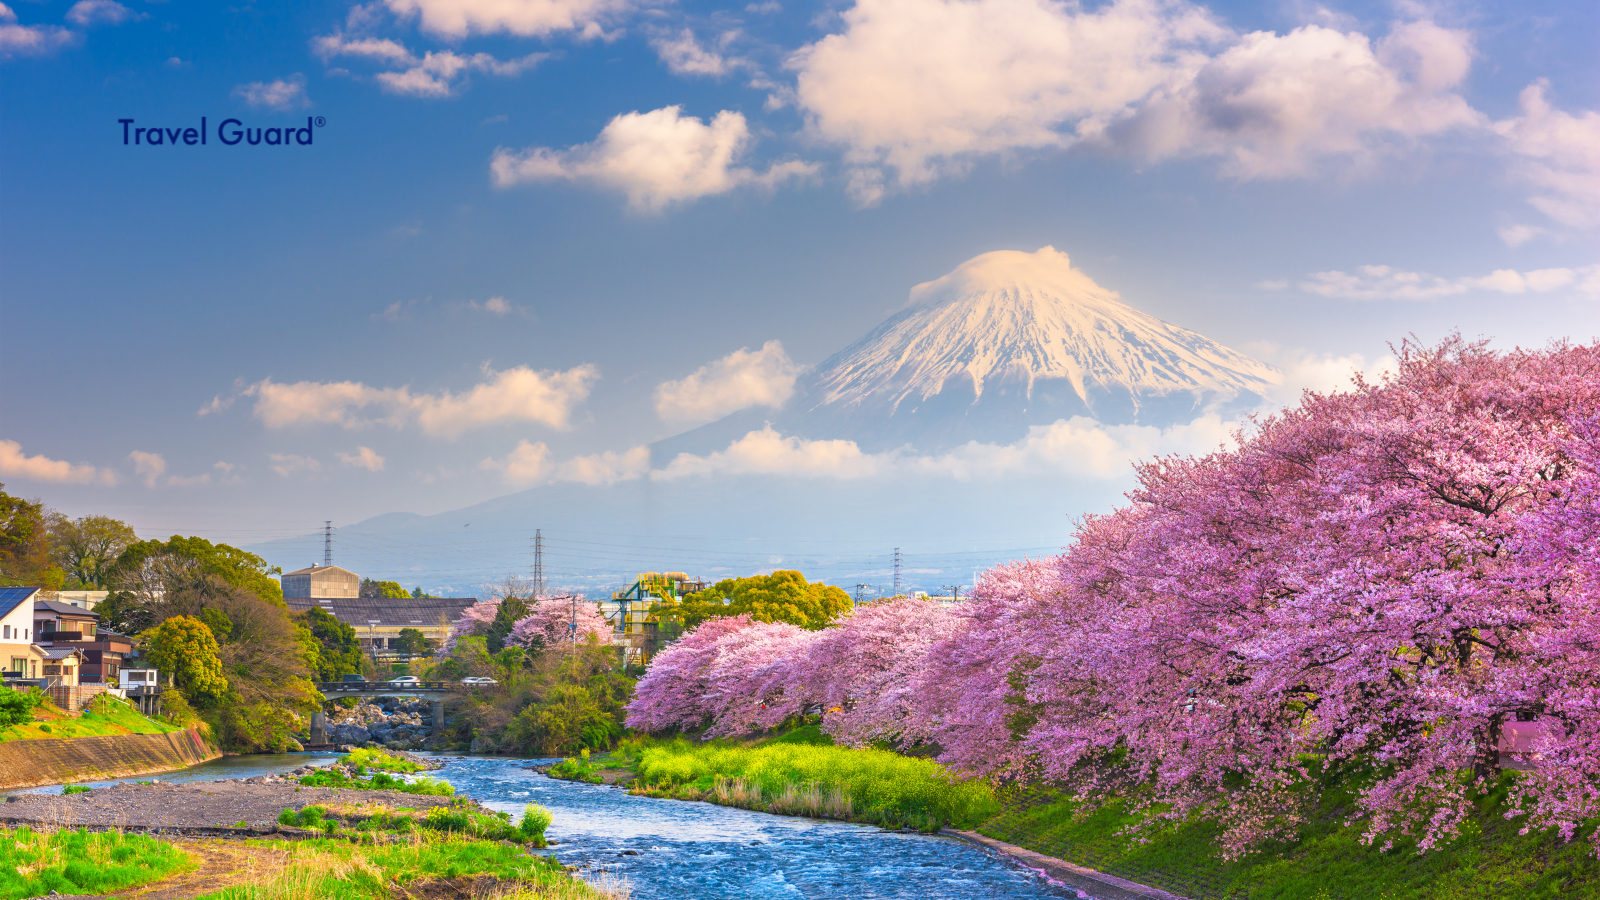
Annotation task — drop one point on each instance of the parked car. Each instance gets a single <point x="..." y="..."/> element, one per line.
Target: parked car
<point x="477" y="680"/>
<point x="358" y="679"/>
<point x="406" y="679"/>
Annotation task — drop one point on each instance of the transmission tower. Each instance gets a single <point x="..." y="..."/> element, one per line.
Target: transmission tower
<point x="327" y="542"/>
<point x="897" y="571"/>
<point x="861" y="589"/>
<point x="538" y="563"/>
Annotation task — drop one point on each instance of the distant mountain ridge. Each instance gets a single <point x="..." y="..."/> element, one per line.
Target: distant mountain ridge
<point x="1007" y="340"/>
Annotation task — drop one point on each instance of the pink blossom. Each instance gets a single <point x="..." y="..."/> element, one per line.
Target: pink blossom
<point x="550" y="623"/>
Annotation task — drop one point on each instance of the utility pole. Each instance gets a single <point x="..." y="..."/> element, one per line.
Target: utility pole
<point x="327" y="542"/>
<point x="538" y="563"/>
<point x="861" y="589"/>
<point x="955" y="591"/>
<point x="897" y="571"/>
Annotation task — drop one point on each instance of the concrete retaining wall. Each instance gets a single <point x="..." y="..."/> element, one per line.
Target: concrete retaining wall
<point x="59" y="761"/>
<point x="1098" y="885"/>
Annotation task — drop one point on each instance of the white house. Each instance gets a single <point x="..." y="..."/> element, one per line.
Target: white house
<point x="17" y="650"/>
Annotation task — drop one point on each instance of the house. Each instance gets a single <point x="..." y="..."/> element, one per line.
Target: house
<point x="101" y="651"/>
<point x="17" y="651"/>
<point x="62" y="663"/>
<point x="142" y="688"/>
<point x="82" y="599"/>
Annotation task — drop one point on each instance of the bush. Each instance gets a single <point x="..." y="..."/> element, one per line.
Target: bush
<point x="37" y="863"/>
<point x="16" y="707"/>
<point x="75" y="789"/>
<point x="378" y="759"/>
<point x="535" y="819"/>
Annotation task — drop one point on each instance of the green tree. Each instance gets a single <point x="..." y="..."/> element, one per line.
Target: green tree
<point x="25" y="544"/>
<point x="512" y="609"/>
<point x="84" y="548"/>
<point x="411" y="640"/>
<point x="783" y="596"/>
<point x="340" y="650"/>
<point x="148" y="566"/>
<point x="184" y="647"/>
<point x="384" y="590"/>
<point x="218" y="622"/>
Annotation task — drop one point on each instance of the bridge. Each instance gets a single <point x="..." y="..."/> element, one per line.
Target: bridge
<point x="436" y="691"/>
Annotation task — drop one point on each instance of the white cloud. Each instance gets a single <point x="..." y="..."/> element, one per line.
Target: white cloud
<point x="29" y="40"/>
<point x="742" y="379"/>
<point x="1517" y="235"/>
<point x="1560" y="155"/>
<point x="684" y="55"/>
<point x="16" y="464"/>
<point x="88" y="13"/>
<point x="440" y="74"/>
<point x="530" y="464"/>
<point x="656" y="158"/>
<point x="282" y="95"/>
<point x="512" y="395"/>
<point x="607" y="467"/>
<point x="149" y="466"/>
<point x="287" y="464"/>
<point x="364" y="457"/>
<point x="433" y="74"/>
<point x="457" y="19"/>
<point x="1388" y="283"/>
<point x="770" y="453"/>
<point x="495" y="306"/>
<point x="1273" y="106"/>
<point x="527" y="464"/>
<point x="918" y="89"/>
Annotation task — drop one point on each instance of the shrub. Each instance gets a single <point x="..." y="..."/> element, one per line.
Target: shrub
<point x="535" y="819"/>
<point x="380" y="760"/>
<point x="75" y="789"/>
<point x="16" y="707"/>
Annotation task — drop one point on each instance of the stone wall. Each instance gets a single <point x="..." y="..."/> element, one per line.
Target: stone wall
<point x="59" y="761"/>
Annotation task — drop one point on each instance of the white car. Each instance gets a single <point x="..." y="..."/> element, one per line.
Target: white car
<point x="476" y="680"/>
<point x="406" y="679"/>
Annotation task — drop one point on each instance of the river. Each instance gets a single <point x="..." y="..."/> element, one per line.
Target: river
<point x="698" y="851"/>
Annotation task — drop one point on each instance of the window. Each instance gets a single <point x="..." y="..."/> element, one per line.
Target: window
<point x="8" y="632"/>
<point x="19" y="664"/>
<point x="52" y="670"/>
<point x="136" y="676"/>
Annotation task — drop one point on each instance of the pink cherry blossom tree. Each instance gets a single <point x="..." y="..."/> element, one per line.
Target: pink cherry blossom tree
<point x="550" y="623"/>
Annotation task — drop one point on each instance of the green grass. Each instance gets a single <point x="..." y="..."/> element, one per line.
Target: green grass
<point x="106" y="715"/>
<point x="1490" y="861"/>
<point x="34" y="863"/>
<point x="380" y="781"/>
<point x="458" y="818"/>
<point x="380" y="760"/>
<point x="798" y="774"/>
<point x="338" y="870"/>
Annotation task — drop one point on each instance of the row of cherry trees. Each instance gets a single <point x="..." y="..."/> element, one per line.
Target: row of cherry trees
<point x="1373" y="584"/>
<point x="548" y="622"/>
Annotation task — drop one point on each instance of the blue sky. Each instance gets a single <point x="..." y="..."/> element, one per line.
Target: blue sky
<point x="522" y="218"/>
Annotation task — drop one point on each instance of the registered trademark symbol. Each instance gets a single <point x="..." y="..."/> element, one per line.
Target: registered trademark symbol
<point x="321" y="122"/>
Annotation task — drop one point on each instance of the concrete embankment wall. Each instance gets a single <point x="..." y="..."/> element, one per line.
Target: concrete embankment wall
<point x="58" y="761"/>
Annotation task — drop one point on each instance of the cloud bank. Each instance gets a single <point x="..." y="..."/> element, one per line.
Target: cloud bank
<point x="742" y="379"/>
<point x="1388" y="283"/>
<point x="512" y="395"/>
<point x="657" y="159"/>
<point x="16" y="464"/>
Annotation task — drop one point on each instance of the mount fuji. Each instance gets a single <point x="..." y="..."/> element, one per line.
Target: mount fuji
<point x="1007" y="341"/>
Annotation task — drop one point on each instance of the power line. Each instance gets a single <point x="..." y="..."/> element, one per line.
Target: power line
<point x="327" y="542"/>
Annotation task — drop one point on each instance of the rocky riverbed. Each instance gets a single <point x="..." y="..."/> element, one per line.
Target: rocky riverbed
<point x="390" y="722"/>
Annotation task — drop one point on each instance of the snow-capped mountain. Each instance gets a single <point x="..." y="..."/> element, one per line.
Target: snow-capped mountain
<point x="1007" y="340"/>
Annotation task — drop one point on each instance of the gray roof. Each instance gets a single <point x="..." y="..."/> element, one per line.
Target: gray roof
<point x="410" y="612"/>
<point x="58" y="652"/>
<point x="12" y="597"/>
<point x="64" y="609"/>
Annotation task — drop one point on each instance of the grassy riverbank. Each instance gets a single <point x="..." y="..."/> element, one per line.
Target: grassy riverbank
<point x="1491" y="860"/>
<point x="799" y="773"/>
<point x="106" y="715"/>
<point x="36" y="862"/>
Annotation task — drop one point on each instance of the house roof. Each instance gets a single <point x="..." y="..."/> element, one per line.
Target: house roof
<point x="64" y="609"/>
<point x="318" y="570"/>
<point x="12" y="597"/>
<point x="59" y="652"/>
<point x="410" y="612"/>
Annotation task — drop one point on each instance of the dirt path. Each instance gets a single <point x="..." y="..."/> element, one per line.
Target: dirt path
<point x="223" y="864"/>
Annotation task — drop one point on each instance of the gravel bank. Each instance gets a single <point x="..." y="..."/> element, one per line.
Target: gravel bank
<point x="255" y="802"/>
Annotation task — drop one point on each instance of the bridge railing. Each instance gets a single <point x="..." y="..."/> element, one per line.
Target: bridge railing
<point x="333" y="687"/>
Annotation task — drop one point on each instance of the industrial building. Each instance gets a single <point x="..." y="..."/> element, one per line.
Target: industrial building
<point x="378" y="621"/>
<point x="633" y="612"/>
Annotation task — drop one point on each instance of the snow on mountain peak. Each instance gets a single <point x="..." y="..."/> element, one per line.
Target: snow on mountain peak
<point x="1010" y="318"/>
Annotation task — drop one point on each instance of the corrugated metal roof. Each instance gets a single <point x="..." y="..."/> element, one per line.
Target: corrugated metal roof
<point x="411" y="612"/>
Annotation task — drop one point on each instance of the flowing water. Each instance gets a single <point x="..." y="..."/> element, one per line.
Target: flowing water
<point x="699" y="851"/>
